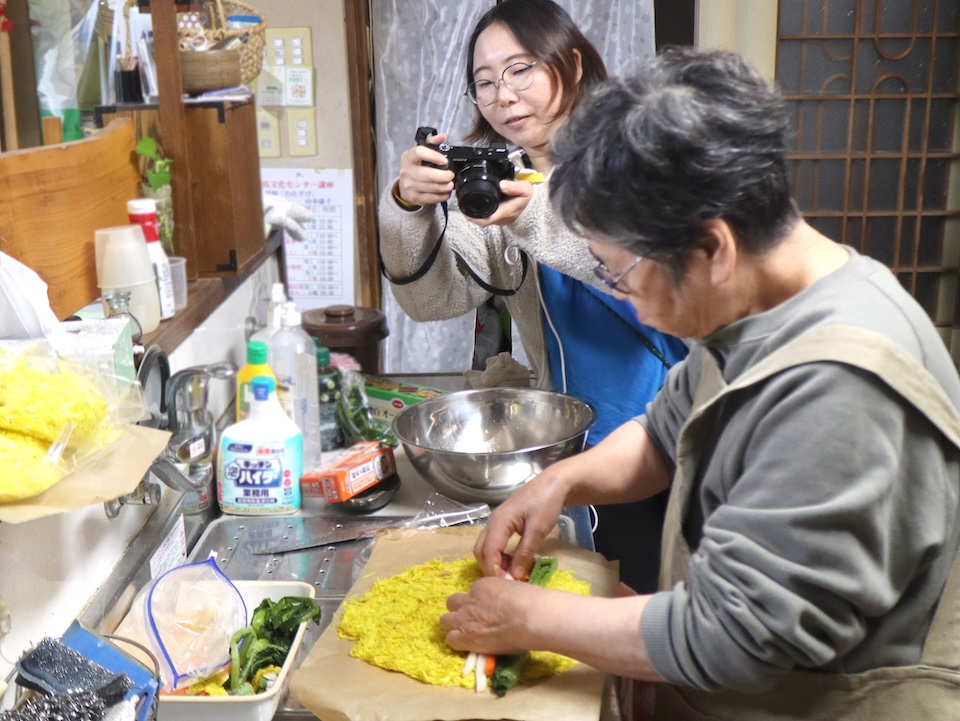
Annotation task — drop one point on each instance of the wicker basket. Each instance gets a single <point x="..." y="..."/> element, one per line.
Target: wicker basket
<point x="209" y="28"/>
<point x="216" y="31"/>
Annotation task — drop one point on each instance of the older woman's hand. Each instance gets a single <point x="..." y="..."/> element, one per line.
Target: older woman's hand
<point x="532" y="513"/>
<point x="490" y="618"/>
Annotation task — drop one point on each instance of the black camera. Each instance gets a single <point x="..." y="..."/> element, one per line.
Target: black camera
<point x="477" y="173"/>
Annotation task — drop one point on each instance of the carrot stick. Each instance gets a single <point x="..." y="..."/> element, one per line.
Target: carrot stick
<point x="490" y="665"/>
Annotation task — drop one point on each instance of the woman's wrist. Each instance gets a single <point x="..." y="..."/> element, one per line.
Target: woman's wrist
<point x="404" y="204"/>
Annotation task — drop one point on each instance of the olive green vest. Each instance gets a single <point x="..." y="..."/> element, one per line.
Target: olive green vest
<point x="928" y="691"/>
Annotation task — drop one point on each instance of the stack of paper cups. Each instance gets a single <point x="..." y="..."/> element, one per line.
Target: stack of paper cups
<point x="123" y="263"/>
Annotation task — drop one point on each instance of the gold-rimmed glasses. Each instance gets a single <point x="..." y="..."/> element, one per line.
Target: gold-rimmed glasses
<point x="517" y="77"/>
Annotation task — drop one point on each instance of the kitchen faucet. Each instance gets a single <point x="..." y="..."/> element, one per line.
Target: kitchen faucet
<point x="186" y="464"/>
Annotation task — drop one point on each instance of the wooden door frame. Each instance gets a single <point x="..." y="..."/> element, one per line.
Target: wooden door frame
<point x="360" y="84"/>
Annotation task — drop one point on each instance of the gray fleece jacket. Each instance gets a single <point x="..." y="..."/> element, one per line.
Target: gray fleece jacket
<point x="406" y="239"/>
<point x="825" y="518"/>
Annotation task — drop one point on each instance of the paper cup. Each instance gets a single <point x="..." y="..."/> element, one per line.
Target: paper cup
<point x="121" y="257"/>
<point x="178" y="274"/>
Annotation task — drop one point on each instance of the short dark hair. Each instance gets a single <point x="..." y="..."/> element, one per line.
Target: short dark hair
<point x="543" y="29"/>
<point x="694" y="136"/>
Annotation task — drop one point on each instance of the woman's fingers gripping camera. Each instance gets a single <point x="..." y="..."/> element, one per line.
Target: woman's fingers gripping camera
<point x="423" y="179"/>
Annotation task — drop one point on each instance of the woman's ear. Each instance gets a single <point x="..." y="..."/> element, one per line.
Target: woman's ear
<point x="720" y="245"/>
<point x="578" y="59"/>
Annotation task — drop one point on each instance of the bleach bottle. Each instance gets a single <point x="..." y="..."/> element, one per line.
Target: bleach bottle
<point x="261" y="459"/>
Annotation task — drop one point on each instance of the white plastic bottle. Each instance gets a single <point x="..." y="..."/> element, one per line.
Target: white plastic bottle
<point x="261" y="459"/>
<point x="278" y="300"/>
<point x="143" y="212"/>
<point x="293" y="359"/>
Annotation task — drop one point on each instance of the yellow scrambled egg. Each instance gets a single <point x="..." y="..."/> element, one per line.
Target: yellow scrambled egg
<point x="395" y="624"/>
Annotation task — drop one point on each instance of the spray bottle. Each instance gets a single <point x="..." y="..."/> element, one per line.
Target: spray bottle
<point x="261" y="459"/>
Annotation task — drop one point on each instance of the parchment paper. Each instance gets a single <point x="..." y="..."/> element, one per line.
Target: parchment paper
<point x="337" y="687"/>
<point x="115" y="473"/>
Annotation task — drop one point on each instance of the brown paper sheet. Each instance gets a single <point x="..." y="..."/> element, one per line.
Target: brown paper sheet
<point x="337" y="687"/>
<point x="115" y="473"/>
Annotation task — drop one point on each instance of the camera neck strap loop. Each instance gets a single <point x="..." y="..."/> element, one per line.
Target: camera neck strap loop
<point x="427" y="264"/>
<point x="461" y="263"/>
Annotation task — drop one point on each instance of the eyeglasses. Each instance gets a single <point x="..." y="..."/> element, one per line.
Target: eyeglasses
<point x="609" y="279"/>
<point x="518" y="76"/>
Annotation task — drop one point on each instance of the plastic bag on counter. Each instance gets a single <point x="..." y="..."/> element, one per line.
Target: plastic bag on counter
<point x="190" y="614"/>
<point x="437" y="511"/>
<point x="55" y="416"/>
<point x="24" y="306"/>
<point x="353" y="413"/>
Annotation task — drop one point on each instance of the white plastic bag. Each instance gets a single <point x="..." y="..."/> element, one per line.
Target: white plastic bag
<point x="24" y="306"/>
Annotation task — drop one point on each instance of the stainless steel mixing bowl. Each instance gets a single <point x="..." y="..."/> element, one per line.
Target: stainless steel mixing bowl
<point x="481" y="445"/>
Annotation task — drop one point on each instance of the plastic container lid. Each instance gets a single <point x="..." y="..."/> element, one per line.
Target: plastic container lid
<point x="256" y="352"/>
<point x="341" y="326"/>
<point x="141" y="206"/>
<point x="323" y="356"/>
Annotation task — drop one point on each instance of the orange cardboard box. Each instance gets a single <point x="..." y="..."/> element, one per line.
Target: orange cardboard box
<point x="362" y="465"/>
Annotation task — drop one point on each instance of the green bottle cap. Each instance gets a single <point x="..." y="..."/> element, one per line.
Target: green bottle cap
<point x="256" y="352"/>
<point x="323" y="356"/>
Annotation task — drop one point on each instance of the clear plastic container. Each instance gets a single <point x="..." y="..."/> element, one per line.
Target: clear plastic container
<point x="294" y="362"/>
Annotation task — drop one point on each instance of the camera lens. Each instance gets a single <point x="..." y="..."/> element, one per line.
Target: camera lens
<point x="478" y="190"/>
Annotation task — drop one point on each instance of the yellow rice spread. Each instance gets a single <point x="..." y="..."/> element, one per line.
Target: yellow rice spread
<point x="395" y="624"/>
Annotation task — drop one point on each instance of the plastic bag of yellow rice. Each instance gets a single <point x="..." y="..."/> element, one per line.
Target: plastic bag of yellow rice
<point x="396" y="623"/>
<point x="54" y="417"/>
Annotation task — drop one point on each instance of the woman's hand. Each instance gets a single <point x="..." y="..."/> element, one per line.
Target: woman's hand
<point x="532" y="513"/>
<point x="516" y="196"/>
<point x="420" y="184"/>
<point x="491" y="617"/>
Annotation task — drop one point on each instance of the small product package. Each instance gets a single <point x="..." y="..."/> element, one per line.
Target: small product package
<point x="361" y="466"/>
<point x="387" y="397"/>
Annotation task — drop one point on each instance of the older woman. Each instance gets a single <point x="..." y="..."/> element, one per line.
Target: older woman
<point x="527" y="67"/>
<point x="811" y="440"/>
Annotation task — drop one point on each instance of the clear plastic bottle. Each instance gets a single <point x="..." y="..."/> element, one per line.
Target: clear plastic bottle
<point x="278" y="300"/>
<point x="293" y="359"/>
<point x="143" y="212"/>
<point x="328" y="393"/>
<point x="260" y="460"/>
<point x="256" y="366"/>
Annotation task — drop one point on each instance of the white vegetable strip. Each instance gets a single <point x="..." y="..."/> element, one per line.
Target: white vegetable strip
<point x="480" y="672"/>
<point x="470" y="664"/>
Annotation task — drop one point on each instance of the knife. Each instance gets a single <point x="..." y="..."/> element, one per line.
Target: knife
<point x="317" y="531"/>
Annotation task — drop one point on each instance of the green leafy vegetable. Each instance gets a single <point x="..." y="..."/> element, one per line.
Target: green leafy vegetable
<point x="266" y="641"/>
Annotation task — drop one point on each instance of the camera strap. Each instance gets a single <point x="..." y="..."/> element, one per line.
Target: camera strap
<point x="461" y="263"/>
<point x="427" y="264"/>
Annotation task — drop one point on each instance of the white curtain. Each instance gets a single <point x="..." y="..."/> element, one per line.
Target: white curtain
<point x="418" y="57"/>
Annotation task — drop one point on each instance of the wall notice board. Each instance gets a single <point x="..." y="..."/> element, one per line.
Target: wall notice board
<point x="319" y="268"/>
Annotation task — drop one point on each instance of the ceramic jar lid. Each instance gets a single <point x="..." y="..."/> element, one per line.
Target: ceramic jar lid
<point x="340" y="326"/>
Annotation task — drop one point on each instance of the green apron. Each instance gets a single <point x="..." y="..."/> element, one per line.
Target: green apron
<point x="929" y="691"/>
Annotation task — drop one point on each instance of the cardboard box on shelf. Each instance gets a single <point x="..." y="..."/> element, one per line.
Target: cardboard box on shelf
<point x="361" y="466"/>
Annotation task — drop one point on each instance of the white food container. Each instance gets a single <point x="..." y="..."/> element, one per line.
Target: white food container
<point x="260" y="707"/>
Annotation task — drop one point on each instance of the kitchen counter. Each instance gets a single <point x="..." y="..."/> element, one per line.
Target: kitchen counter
<point x="239" y="541"/>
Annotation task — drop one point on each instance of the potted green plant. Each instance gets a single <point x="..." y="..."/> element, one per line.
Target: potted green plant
<point x="157" y="177"/>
